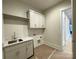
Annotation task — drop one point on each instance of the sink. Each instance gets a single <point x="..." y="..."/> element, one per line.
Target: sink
<point x="20" y="40"/>
<point x="13" y="41"/>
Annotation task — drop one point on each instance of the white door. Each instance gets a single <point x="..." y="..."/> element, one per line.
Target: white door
<point x="65" y="29"/>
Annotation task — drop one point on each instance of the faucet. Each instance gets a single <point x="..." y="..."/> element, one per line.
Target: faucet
<point x="14" y="36"/>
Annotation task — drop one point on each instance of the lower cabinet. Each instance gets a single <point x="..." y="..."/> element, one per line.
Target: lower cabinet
<point x="29" y="49"/>
<point x="22" y="53"/>
<point x="14" y="54"/>
<point x="19" y="51"/>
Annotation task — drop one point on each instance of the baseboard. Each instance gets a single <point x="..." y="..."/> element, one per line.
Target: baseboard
<point x="53" y="45"/>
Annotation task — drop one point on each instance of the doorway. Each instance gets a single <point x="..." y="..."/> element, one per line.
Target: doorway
<point x="66" y="15"/>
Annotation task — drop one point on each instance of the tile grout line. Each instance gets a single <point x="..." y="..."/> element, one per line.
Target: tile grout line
<point x="51" y="54"/>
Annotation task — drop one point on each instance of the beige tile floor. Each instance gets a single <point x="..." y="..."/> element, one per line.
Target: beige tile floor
<point x="61" y="55"/>
<point x="44" y="51"/>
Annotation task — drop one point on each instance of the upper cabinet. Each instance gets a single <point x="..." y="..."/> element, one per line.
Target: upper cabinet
<point x="19" y="9"/>
<point x="14" y="8"/>
<point x="37" y="20"/>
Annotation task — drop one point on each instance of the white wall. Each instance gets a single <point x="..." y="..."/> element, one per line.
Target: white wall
<point x="53" y="35"/>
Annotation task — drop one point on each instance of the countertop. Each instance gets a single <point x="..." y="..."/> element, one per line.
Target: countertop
<point x="5" y="44"/>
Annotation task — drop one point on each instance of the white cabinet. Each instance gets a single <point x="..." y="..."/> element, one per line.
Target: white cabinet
<point x="37" y="20"/>
<point x="38" y="40"/>
<point x="19" y="51"/>
<point x="14" y="8"/>
<point x="29" y="49"/>
<point x="13" y="54"/>
<point x="16" y="54"/>
<point x="33" y="19"/>
<point x="41" y="21"/>
<point x="22" y="52"/>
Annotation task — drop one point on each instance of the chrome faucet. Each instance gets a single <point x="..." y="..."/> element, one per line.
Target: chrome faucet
<point x="14" y="36"/>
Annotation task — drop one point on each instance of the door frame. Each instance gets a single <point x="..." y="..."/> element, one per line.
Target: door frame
<point x="63" y="44"/>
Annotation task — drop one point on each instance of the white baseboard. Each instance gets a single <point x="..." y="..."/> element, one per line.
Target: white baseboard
<point x="53" y="45"/>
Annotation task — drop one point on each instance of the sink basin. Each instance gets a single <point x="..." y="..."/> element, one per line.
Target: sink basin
<point x="20" y="40"/>
<point x="13" y="41"/>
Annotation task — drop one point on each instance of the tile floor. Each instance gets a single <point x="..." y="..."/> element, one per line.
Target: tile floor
<point x="44" y="51"/>
<point x="61" y="55"/>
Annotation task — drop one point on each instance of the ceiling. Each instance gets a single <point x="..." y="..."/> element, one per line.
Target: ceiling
<point x="41" y="4"/>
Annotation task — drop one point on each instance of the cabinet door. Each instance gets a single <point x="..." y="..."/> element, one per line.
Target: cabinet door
<point x="29" y="48"/>
<point x="43" y="21"/>
<point x="35" y="41"/>
<point x="19" y="53"/>
<point x="37" y="20"/>
<point x="14" y="54"/>
<point x="23" y="51"/>
<point x="33" y="19"/>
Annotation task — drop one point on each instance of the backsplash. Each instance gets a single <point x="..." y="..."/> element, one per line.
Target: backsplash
<point x="17" y="25"/>
<point x="35" y="31"/>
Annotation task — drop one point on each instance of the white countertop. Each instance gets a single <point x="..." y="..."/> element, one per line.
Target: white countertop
<point x="5" y="44"/>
